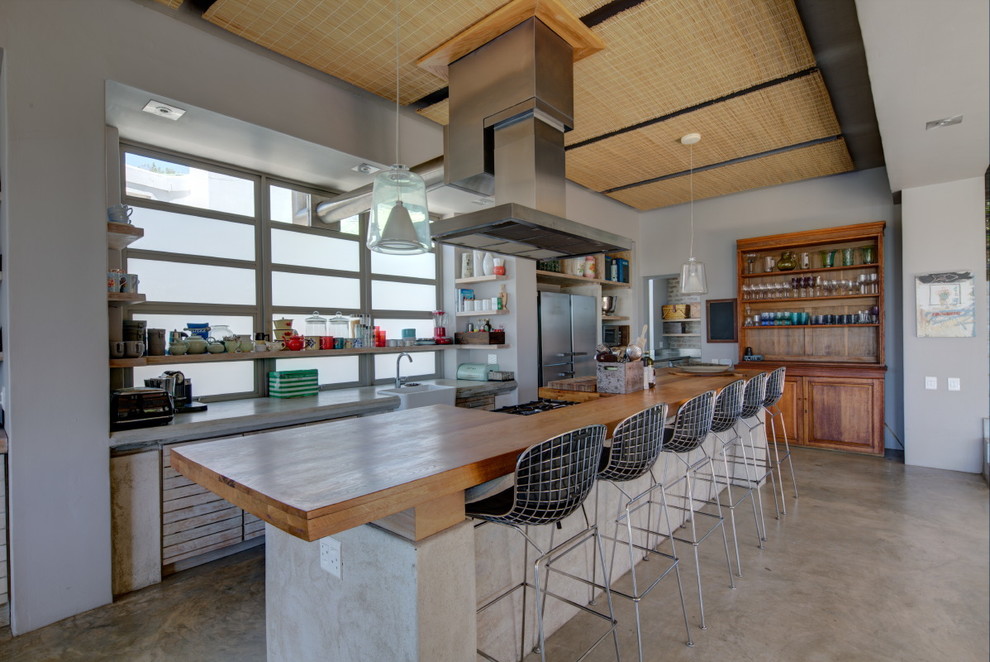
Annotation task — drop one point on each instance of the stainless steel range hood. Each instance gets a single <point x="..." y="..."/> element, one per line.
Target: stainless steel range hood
<point x="510" y="102"/>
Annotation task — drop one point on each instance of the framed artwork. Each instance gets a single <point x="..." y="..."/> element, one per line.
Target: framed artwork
<point x="946" y="304"/>
<point x="721" y="320"/>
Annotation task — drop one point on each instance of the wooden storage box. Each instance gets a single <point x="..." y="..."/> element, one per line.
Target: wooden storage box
<point x="676" y="311"/>
<point x="620" y="377"/>
<point x="585" y="384"/>
<point x="479" y="338"/>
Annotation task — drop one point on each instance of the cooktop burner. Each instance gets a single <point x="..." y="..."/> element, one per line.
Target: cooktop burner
<point x="535" y="407"/>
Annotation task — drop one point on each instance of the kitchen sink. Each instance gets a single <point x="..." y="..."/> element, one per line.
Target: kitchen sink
<point x="421" y="395"/>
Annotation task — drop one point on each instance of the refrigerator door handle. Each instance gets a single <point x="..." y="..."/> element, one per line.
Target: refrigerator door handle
<point x="566" y="373"/>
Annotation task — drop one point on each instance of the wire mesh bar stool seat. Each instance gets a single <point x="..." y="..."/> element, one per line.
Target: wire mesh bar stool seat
<point x="775" y="391"/>
<point x="635" y="447"/>
<point x="691" y="426"/>
<point x="731" y="452"/>
<point x="552" y="480"/>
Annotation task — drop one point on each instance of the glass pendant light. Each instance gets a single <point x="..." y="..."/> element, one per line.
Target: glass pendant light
<point x="400" y="220"/>
<point x="693" y="279"/>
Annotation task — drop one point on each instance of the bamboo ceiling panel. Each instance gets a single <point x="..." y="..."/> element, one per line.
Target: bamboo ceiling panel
<point x="790" y="113"/>
<point x="665" y="55"/>
<point x="805" y="163"/>
<point x="354" y="40"/>
<point x="171" y="4"/>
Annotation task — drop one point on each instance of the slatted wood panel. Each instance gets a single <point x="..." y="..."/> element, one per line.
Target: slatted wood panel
<point x="816" y="161"/>
<point x="194" y="520"/>
<point x="4" y="600"/>
<point x="483" y="402"/>
<point x="791" y="113"/>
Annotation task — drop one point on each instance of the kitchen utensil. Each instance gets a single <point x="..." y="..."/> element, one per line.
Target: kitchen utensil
<point x="156" y="342"/>
<point x="316" y="325"/>
<point x="608" y="305"/>
<point x="214" y="346"/>
<point x="221" y="332"/>
<point x="133" y="349"/>
<point x="116" y="350"/>
<point x="828" y="258"/>
<point x="339" y="326"/>
<point x="201" y="329"/>
<point x="119" y="213"/>
<point x="634" y="352"/>
<point x="134" y="330"/>
<point x="476" y="372"/>
<point x="197" y="344"/>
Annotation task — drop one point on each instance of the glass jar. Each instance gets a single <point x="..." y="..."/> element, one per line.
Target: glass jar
<point x="787" y="262"/>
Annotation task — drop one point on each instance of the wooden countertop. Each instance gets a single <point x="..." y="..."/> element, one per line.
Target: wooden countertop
<point x="319" y="480"/>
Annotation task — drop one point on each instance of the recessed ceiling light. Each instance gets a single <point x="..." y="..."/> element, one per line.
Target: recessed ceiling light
<point x="366" y="168"/>
<point x="945" y="121"/>
<point x="162" y="109"/>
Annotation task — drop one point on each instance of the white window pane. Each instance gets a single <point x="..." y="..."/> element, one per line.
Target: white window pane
<point x="158" y="179"/>
<point x="423" y="265"/>
<point x="207" y="378"/>
<point x="388" y="295"/>
<point x="240" y="325"/>
<point x="193" y="235"/>
<point x="193" y="283"/>
<point x="332" y="369"/>
<point x="299" y="208"/>
<point x="315" y="292"/>
<point x="423" y="363"/>
<point x="393" y="327"/>
<point x="307" y="250"/>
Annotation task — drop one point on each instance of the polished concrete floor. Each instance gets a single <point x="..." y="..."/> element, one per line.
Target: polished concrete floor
<point x="875" y="561"/>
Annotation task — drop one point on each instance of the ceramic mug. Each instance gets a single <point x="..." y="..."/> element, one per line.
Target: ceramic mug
<point x="275" y="345"/>
<point x="113" y="281"/>
<point x="133" y="349"/>
<point x="129" y="283"/>
<point x="116" y="349"/>
<point x="119" y="213"/>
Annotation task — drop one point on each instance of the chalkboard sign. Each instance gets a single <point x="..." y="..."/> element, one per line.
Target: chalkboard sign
<point x="721" y="318"/>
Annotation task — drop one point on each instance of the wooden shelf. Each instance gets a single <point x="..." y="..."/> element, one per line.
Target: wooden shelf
<point x="686" y="319"/>
<point x="481" y="313"/>
<point x="129" y="363"/>
<point x="613" y="318"/>
<point x="570" y="279"/>
<point x="479" y="279"/>
<point x="819" y="270"/>
<point x="829" y="298"/>
<point x="121" y="235"/>
<point x="806" y="326"/>
<point x="284" y="354"/>
<point x="124" y="298"/>
<point x="682" y="335"/>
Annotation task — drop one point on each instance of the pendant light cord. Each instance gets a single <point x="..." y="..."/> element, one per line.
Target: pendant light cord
<point x="397" y="82"/>
<point x="691" y="183"/>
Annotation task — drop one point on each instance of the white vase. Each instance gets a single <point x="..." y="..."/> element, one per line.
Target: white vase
<point x="488" y="264"/>
<point x="467" y="265"/>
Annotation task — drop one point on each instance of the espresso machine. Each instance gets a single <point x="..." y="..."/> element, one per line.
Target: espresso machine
<point x="179" y="387"/>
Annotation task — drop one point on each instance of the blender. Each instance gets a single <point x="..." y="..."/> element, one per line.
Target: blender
<point x="440" y="328"/>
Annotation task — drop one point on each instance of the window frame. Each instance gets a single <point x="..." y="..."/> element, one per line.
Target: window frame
<point x="263" y="311"/>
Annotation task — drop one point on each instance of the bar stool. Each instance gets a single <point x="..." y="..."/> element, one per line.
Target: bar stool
<point x="552" y="480"/>
<point x="775" y="391"/>
<point x="636" y="444"/>
<point x="691" y="425"/>
<point x="753" y="398"/>
<point x="728" y="411"/>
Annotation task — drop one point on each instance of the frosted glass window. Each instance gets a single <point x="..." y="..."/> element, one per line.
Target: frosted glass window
<point x="388" y="295"/>
<point x="315" y="292"/>
<point x="157" y="179"/>
<point x="307" y="250"/>
<point x="332" y="369"/>
<point x="393" y="327"/>
<point x="241" y="325"/>
<point x="193" y="235"/>
<point x="207" y="378"/>
<point x="423" y="265"/>
<point x="194" y="283"/>
<point x="423" y="363"/>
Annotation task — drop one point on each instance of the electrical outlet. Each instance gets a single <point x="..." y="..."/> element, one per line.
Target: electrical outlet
<point x="330" y="557"/>
<point x="931" y="383"/>
<point x="492" y="359"/>
<point x="953" y="383"/>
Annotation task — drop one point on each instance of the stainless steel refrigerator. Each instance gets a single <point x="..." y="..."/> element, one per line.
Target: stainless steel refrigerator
<point x="568" y="334"/>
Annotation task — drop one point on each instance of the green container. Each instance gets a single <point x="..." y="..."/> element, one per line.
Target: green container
<point x="292" y="383"/>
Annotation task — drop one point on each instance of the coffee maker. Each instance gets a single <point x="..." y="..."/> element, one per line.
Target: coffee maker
<point x="179" y="387"/>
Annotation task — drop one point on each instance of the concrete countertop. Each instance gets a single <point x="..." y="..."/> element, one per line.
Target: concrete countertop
<point x="250" y="415"/>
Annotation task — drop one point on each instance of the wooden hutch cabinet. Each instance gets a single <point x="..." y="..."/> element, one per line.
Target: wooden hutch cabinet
<point x="822" y="318"/>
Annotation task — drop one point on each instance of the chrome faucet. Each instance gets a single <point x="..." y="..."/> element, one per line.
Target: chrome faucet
<point x="399" y="381"/>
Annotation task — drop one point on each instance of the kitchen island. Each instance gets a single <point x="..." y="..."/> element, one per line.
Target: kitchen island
<point x="408" y="586"/>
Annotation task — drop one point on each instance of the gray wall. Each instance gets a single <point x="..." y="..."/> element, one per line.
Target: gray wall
<point x="943" y="230"/>
<point x="856" y="197"/>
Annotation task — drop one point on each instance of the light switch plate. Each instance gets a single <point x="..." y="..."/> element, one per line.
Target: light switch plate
<point x="953" y="383"/>
<point x="931" y="383"/>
